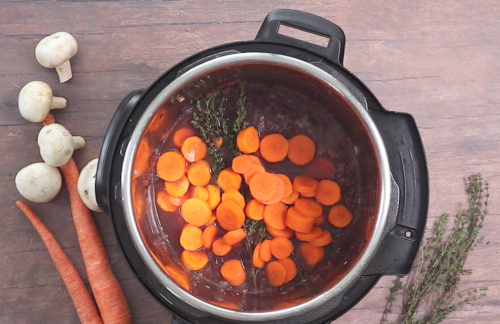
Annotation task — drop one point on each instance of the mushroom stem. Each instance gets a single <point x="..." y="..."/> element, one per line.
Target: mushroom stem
<point x="78" y="142"/>
<point x="58" y="103"/>
<point x="64" y="71"/>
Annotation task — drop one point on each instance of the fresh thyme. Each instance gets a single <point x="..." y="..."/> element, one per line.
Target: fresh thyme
<point x="434" y="281"/>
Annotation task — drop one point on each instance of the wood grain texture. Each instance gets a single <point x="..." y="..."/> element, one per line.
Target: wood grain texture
<point x="437" y="60"/>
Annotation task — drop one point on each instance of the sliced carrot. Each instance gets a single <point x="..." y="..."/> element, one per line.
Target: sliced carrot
<point x="234" y="237"/>
<point x="243" y="163"/>
<point x="280" y="189"/>
<point x="220" y="248"/>
<point x="171" y="166"/>
<point x="311" y="236"/>
<point x="291" y="198"/>
<point x="265" y="251"/>
<point x="287" y="183"/>
<point x="229" y="179"/>
<point x="301" y="149"/>
<point x="194" y="149"/>
<point x="254" y="210"/>
<point x="308" y="207"/>
<point x="233" y="194"/>
<point x="290" y="267"/>
<point x="211" y="220"/>
<point x="230" y="215"/>
<point x="327" y="192"/>
<point x="247" y="140"/>
<point x="191" y="238"/>
<point x="208" y="236"/>
<point x="275" y="215"/>
<point x="339" y="216"/>
<point x="232" y="271"/>
<point x="319" y="220"/>
<point x="256" y="261"/>
<point x="194" y="260"/>
<point x="163" y="202"/>
<point x="288" y="233"/>
<point x="213" y="196"/>
<point x="275" y="273"/>
<point x="274" y="148"/>
<point x="311" y="254"/>
<point x="263" y="186"/>
<point x="177" y="188"/>
<point x="177" y="201"/>
<point x="201" y="192"/>
<point x="199" y="173"/>
<point x="324" y="239"/>
<point x="299" y="222"/>
<point x="281" y="247"/>
<point x="196" y="212"/>
<point x="255" y="169"/>
<point x="181" y="134"/>
<point x="305" y="186"/>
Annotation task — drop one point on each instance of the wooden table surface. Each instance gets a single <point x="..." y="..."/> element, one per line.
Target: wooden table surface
<point x="437" y="60"/>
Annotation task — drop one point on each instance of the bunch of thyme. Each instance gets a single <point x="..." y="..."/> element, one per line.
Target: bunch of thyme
<point x="431" y="289"/>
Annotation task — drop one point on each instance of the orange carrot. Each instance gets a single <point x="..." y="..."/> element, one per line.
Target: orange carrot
<point x="263" y="186"/>
<point x="194" y="260"/>
<point x="254" y="210"/>
<point x="254" y="169"/>
<point x="181" y="135"/>
<point x="308" y="207"/>
<point x="233" y="194"/>
<point x="319" y="220"/>
<point x="213" y="196"/>
<point x="265" y="251"/>
<point x="50" y="119"/>
<point x="275" y="273"/>
<point x="327" y="192"/>
<point x="171" y="166"/>
<point x="202" y="193"/>
<point x="196" y="212"/>
<point x="107" y="292"/>
<point x="339" y="216"/>
<point x="256" y="261"/>
<point x="194" y="149"/>
<point x="84" y="305"/>
<point x="208" y="236"/>
<point x="301" y="149"/>
<point x="311" y="236"/>
<point x="324" y="239"/>
<point x="211" y="220"/>
<point x="281" y="247"/>
<point x="199" y="173"/>
<point x="234" y="237"/>
<point x="279" y="194"/>
<point x="290" y="267"/>
<point x="311" y="254"/>
<point x="275" y="215"/>
<point x="305" y="186"/>
<point x="220" y="248"/>
<point x="288" y="233"/>
<point x="177" y="188"/>
<point x="298" y="222"/>
<point x="177" y="201"/>
<point x="163" y="201"/>
<point x="287" y="183"/>
<point x="247" y="140"/>
<point x="243" y="163"/>
<point x="227" y="178"/>
<point x="232" y="271"/>
<point x="230" y="215"/>
<point x="191" y="238"/>
<point x="273" y="148"/>
<point x="291" y="198"/>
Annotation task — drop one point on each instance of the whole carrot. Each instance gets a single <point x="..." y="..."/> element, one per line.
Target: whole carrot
<point x="107" y="292"/>
<point x="85" y="307"/>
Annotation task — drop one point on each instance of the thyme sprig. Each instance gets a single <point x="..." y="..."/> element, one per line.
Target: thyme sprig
<point x="433" y="282"/>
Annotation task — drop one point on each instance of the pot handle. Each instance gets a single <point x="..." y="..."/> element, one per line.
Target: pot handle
<point x="269" y="31"/>
<point x="112" y="139"/>
<point x="407" y="161"/>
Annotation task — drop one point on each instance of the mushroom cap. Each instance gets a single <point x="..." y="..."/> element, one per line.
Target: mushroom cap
<point x="38" y="182"/>
<point x="56" y="49"/>
<point x="34" y="101"/>
<point x="86" y="185"/>
<point x="56" y="144"/>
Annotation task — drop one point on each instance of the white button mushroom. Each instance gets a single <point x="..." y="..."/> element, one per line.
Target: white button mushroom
<point x="54" y="51"/>
<point x="86" y="185"/>
<point x="57" y="144"/>
<point x="38" y="182"/>
<point x="35" y="101"/>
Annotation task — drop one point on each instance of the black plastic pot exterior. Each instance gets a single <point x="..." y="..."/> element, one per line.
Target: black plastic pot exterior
<point x="405" y="153"/>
